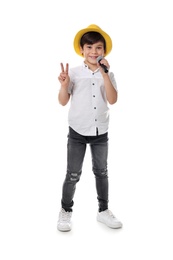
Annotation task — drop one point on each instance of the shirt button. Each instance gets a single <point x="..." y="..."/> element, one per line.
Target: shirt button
<point x="94" y="107"/>
<point x="93" y="95"/>
<point x="95" y="120"/>
<point x="93" y="84"/>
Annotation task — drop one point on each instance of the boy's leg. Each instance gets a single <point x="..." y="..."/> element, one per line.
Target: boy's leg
<point x="76" y="148"/>
<point x="99" y="151"/>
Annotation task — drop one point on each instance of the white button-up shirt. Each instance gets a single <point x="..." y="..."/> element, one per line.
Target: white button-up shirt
<point x="89" y="111"/>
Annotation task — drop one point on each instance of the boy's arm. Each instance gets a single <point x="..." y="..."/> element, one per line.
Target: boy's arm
<point x="111" y="92"/>
<point x="63" y="96"/>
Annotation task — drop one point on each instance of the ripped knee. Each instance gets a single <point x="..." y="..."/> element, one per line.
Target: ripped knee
<point x="100" y="173"/>
<point x="73" y="176"/>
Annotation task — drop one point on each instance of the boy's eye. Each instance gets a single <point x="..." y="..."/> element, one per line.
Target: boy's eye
<point x="97" y="47"/>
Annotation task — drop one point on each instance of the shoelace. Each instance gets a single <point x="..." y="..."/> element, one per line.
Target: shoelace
<point x="65" y="216"/>
<point x="110" y="213"/>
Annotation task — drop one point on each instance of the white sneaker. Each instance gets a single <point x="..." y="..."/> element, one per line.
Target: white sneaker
<point x="109" y="219"/>
<point x="64" y="221"/>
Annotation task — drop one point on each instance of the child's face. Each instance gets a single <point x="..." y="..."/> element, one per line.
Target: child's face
<point x="92" y="51"/>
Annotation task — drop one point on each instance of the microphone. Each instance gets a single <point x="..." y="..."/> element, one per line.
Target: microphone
<point x="99" y="58"/>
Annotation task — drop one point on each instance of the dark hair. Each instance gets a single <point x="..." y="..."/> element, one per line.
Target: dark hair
<point x="91" y="38"/>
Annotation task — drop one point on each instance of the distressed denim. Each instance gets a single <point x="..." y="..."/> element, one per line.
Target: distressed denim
<point x="76" y="148"/>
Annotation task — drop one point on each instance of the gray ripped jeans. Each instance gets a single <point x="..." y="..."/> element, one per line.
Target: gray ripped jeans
<point x="76" y="148"/>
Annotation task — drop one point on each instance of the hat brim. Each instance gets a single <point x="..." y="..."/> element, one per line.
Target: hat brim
<point x="90" y="29"/>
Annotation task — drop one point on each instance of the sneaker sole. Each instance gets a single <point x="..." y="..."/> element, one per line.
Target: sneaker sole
<point x="118" y="225"/>
<point x="64" y="229"/>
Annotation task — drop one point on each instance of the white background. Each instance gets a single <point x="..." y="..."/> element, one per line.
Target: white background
<point x="35" y="37"/>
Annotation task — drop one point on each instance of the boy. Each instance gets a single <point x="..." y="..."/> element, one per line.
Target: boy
<point x="90" y="87"/>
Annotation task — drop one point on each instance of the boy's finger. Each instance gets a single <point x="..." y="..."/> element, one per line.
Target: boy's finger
<point x="62" y="67"/>
<point x="66" y="69"/>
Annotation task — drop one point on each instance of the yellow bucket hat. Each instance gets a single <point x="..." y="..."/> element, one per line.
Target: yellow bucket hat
<point x="92" y="28"/>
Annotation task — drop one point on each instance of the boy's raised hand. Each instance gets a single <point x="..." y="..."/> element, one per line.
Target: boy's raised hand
<point x="63" y="76"/>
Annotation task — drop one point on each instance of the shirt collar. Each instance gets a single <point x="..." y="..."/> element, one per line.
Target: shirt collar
<point x="86" y="66"/>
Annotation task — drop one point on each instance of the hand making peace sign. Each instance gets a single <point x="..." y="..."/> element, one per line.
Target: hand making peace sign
<point x="64" y="78"/>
